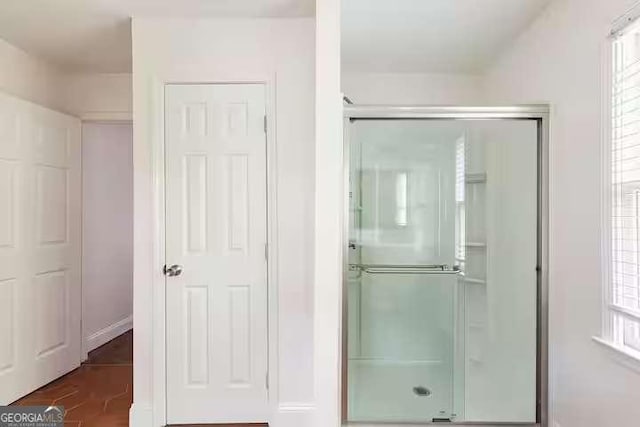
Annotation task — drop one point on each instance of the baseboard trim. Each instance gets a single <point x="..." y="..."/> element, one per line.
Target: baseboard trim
<point x="288" y="415"/>
<point x="294" y="415"/>
<point x="105" y="335"/>
<point x="140" y="415"/>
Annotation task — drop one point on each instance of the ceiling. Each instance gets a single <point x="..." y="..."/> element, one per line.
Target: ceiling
<point x="377" y="35"/>
<point x="95" y="35"/>
<point x="461" y="36"/>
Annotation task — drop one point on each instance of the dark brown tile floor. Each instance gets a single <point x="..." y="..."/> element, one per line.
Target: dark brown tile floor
<point x="99" y="393"/>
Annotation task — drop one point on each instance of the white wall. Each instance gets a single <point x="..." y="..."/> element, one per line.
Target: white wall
<point x="329" y="203"/>
<point x="99" y="96"/>
<point x="412" y="88"/>
<point x="559" y="60"/>
<point x="84" y="95"/>
<point x="277" y="50"/>
<point x="30" y="78"/>
<point x="107" y="226"/>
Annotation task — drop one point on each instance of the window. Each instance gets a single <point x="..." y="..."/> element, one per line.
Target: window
<point x="623" y="302"/>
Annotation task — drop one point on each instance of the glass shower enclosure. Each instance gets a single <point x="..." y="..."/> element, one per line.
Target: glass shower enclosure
<point x="445" y="263"/>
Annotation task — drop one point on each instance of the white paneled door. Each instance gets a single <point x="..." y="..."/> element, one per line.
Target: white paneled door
<point x="40" y="308"/>
<point x="216" y="233"/>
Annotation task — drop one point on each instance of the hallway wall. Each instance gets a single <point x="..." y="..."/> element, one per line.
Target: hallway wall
<point x="107" y="227"/>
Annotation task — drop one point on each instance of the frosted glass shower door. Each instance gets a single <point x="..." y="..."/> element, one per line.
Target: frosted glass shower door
<point x="403" y="370"/>
<point x="402" y="287"/>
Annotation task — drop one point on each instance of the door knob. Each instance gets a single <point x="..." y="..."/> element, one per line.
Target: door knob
<point x="174" y="270"/>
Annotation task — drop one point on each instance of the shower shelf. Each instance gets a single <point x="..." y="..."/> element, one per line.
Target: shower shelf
<point x="474" y="281"/>
<point x="475" y="178"/>
<point x="392" y="361"/>
<point x="477" y="326"/>
<point x="475" y="245"/>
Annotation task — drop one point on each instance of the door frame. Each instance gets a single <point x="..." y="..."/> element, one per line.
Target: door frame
<point x="158" y="280"/>
<point x="538" y="113"/>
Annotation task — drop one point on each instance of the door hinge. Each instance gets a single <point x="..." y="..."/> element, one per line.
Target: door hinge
<point x="266" y="380"/>
<point x="265" y="124"/>
<point x="266" y="252"/>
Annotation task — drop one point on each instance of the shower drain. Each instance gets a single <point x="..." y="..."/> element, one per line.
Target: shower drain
<point x="421" y="391"/>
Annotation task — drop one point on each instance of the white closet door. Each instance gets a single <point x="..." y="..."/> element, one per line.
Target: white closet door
<point x="40" y="309"/>
<point x="216" y="230"/>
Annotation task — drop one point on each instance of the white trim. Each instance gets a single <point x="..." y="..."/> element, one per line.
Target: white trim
<point x="624" y="311"/>
<point x="622" y="22"/>
<point x="329" y="206"/>
<point x="294" y="415"/>
<point x="272" y="242"/>
<point x="605" y="190"/>
<point x="106" y="116"/>
<point x="112" y="331"/>
<point x="156" y="147"/>
<point x="286" y="407"/>
<point x="623" y="355"/>
<point x="140" y="415"/>
<point x="158" y="322"/>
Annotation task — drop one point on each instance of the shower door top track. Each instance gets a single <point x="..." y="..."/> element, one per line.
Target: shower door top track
<point x="381" y="112"/>
<point x="536" y="112"/>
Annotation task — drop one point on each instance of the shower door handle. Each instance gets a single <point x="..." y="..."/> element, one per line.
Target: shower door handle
<point x="405" y="269"/>
<point x="409" y="271"/>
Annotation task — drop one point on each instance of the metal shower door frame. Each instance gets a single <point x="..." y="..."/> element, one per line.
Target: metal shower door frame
<point x="538" y="113"/>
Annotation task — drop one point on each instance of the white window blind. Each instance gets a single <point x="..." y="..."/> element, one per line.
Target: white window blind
<point x="624" y="269"/>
